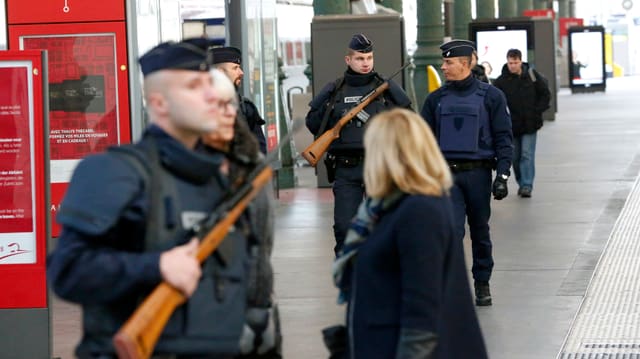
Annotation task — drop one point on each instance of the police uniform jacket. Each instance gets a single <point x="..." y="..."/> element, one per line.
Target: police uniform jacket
<point x="104" y="262"/>
<point x="410" y="274"/>
<point x="347" y="92"/>
<point x="250" y="114"/>
<point x="495" y="104"/>
<point x="527" y="99"/>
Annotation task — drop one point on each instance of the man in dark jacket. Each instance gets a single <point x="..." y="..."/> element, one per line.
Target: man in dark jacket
<point x="346" y="153"/>
<point x="528" y="97"/>
<point x="471" y="122"/>
<point x="229" y="60"/>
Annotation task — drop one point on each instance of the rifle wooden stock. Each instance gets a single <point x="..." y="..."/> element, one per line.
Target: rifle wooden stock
<point x="138" y="336"/>
<point x="314" y="152"/>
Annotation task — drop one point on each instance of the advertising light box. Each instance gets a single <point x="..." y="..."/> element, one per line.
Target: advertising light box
<point x="494" y="40"/>
<point x="88" y="93"/>
<point x="23" y="180"/>
<point x="586" y="58"/>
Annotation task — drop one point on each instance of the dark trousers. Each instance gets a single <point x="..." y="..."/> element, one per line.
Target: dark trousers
<point x="348" y="193"/>
<point x="471" y="197"/>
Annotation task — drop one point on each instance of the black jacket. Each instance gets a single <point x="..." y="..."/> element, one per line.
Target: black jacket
<point x="527" y="99"/>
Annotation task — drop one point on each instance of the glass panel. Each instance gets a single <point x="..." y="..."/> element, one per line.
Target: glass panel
<point x="263" y="63"/>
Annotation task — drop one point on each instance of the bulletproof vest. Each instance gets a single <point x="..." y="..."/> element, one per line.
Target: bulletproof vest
<point x="463" y="127"/>
<point x="346" y="98"/>
<point x="212" y="319"/>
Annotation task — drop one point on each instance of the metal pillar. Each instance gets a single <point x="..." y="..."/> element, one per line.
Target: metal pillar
<point x="462" y="17"/>
<point x="331" y="7"/>
<point x="563" y="8"/>
<point x="448" y="18"/>
<point x="524" y="5"/>
<point x="392" y="4"/>
<point x="572" y="8"/>
<point x="485" y="9"/>
<point x="429" y="39"/>
<point x="507" y="8"/>
<point x="542" y="4"/>
<point x="286" y="175"/>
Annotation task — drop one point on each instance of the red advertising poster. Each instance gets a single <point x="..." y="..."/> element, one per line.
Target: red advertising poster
<point x="88" y="93"/>
<point x="83" y="115"/>
<point x="17" y="234"/>
<point x="272" y="137"/>
<point x="23" y="182"/>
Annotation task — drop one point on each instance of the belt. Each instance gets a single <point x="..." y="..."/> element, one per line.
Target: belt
<point x="459" y="166"/>
<point x="349" y="161"/>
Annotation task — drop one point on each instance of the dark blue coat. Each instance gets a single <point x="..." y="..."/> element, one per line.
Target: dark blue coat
<point x="410" y="273"/>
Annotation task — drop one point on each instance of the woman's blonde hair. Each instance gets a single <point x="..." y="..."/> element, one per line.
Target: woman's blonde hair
<point x="401" y="152"/>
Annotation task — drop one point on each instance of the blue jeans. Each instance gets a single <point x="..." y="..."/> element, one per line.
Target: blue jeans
<point x="471" y="198"/>
<point x="524" y="158"/>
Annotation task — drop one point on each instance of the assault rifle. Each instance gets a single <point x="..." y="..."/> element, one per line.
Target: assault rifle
<point x="138" y="336"/>
<point x="314" y="152"/>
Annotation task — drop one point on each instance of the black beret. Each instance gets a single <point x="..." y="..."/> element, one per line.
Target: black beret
<point x="188" y="54"/>
<point x="226" y="54"/>
<point x="457" y="48"/>
<point x="360" y="43"/>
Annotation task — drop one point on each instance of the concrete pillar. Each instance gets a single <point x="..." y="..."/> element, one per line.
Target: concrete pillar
<point x="392" y="4"/>
<point x="429" y="38"/>
<point x="462" y="17"/>
<point x="485" y="9"/>
<point x="507" y="8"/>
<point x="331" y="7"/>
<point x="524" y="5"/>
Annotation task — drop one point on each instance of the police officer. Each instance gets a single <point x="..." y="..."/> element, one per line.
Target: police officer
<point x="471" y="121"/>
<point x="346" y="154"/>
<point x="127" y="215"/>
<point x="229" y="61"/>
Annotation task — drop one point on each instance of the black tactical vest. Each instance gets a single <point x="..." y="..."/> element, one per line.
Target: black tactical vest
<point x="211" y="321"/>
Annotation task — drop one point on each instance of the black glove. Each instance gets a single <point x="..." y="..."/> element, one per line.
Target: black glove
<point x="500" y="189"/>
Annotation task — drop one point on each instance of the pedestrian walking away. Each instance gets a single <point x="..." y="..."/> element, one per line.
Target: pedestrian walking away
<point x="528" y="96"/>
<point x="472" y="124"/>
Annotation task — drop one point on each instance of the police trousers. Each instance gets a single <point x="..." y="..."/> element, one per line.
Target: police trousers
<point x="471" y="197"/>
<point x="348" y="193"/>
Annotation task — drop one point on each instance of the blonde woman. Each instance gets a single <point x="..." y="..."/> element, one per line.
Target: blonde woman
<point x="408" y="294"/>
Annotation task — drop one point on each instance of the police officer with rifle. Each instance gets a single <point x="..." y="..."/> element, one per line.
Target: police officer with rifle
<point x="345" y="158"/>
<point x="131" y="220"/>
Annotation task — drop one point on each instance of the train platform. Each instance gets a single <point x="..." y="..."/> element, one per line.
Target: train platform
<point x="565" y="283"/>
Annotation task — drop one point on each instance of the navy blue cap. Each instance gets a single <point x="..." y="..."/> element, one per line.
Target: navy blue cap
<point x="360" y="43"/>
<point x="457" y="48"/>
<point x="226" y="54"/>
<point x="188" y="54"/>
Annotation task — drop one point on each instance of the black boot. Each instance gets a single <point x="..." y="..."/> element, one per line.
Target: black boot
<point x="483" y="293"/>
